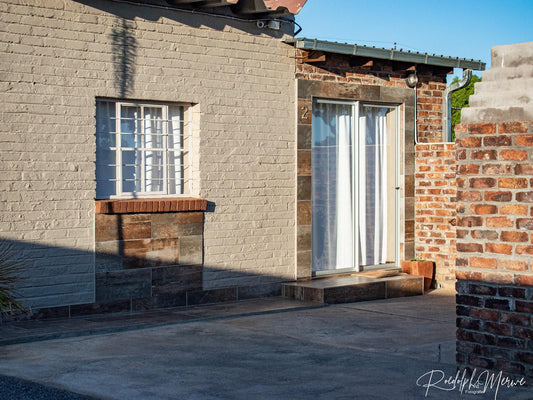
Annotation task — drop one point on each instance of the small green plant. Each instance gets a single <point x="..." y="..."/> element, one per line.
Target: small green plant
<point x="10" y="267"/>
<point x="418" y="259"/>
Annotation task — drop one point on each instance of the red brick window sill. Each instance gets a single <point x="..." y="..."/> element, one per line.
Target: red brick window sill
<point x="128" y="206"/>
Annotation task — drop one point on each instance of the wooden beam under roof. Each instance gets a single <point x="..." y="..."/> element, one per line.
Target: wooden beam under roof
<point x="311" y="57"/>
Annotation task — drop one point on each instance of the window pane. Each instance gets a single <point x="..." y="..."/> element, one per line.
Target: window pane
<point x="154" y="185"/>
<point x="130" y="126"/>
<point x="153" y="127"/>
<point x="175" y="172"/>
<point x="105" y="189"/>
<point x="154" y="171"/>
<point x="105" y="173"/>
<point x="131" y="171"/>
<point x="175" y="158"/>
<point x="173" y="186"/>
<point x="376" y="202"/>
<point x="105" y="158"/>
<point x="332" y="191"/>
<point x="325" y="119"/>
<point x="175" y="128"/>
<point x="153" y="112"/>
<point x="105" y="124"/>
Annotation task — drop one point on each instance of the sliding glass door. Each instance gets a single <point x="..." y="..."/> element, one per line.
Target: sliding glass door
<point x="354" y="197"/>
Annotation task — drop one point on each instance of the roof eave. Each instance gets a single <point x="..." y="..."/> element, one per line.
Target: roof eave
<point x="387" y="54"/>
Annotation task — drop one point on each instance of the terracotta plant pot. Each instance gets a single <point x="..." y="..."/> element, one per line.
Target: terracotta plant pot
<point x="420" y="268"/>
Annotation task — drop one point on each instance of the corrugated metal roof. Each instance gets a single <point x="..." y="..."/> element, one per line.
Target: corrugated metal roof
<point x="387" y="54"/>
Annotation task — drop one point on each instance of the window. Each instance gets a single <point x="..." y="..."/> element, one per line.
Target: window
<point x="140" y="149"/>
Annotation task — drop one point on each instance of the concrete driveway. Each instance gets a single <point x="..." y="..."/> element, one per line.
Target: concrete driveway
<point x="370" y="350"/>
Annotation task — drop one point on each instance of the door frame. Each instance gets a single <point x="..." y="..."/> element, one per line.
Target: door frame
<point x="355" y="104"/>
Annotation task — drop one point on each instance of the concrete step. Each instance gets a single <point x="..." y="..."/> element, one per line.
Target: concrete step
<point x="497" y="87"/>
<point x="505" y="74"/>
<point x="354" y="288"/>
<point x="514" y="55"/>
<point x="474" y="115"/>
<point x="518" y="98"/>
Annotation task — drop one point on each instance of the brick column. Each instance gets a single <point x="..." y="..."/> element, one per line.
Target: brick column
<point x="494" y="245"/>
<point x="495" y="221"/>
<point x="435" y="204"/>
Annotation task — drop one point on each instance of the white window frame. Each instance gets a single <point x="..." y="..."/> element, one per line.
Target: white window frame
<point x="182" y="184"/>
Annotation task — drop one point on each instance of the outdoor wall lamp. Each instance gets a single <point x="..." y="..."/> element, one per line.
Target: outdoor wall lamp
<point x="412" y="80"/>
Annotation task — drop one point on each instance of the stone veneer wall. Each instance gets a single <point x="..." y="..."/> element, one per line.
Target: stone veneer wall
<point x="148" y="255"/>
<point x="57" y="57"/>
<point x="495" y="218"/>
<point x="343" y="77"/>
<point x="435" y="204"/>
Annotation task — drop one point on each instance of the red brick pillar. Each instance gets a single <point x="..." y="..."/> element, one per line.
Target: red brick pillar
<point x="495" y="245"/>
<point x="495" y="220"/>
<point x="435" y="207"/>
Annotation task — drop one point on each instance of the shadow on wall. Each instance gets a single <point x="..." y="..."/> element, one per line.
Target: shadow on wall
<point x="185" y="17"/>
<point x="63" y="282"/>
<point x="124" y="46"/>
<point x="125" y="43"/>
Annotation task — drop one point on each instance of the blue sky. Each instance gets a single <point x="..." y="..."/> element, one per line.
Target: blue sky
<point x="465" y="28"/>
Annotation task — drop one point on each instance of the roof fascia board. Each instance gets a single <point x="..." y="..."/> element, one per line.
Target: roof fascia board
<point x="387" y="54"/>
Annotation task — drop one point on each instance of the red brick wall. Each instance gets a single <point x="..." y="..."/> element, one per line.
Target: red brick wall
<point x="343" y="76"/>
<point x="495" y="245"/>
<point x="432" y="183"/>
<point x="432" y="83"/>
<point x="435" y="208"/>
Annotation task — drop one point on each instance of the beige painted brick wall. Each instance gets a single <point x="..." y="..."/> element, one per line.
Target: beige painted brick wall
<point x="58" y="56"/>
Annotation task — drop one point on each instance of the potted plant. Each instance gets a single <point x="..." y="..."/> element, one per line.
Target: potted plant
<point x="423" y="268"/>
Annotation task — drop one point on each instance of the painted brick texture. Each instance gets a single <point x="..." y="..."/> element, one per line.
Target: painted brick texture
<point x="435" y="208"/>
<point x="58" y="56"/>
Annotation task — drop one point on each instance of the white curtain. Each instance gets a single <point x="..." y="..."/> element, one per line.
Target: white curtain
<point x="344" y="246"/>
<point x="332" y="191"/>
<point x="372" y="184"/>
<point x="153" y="143"/>
<point x="336" y="203"/>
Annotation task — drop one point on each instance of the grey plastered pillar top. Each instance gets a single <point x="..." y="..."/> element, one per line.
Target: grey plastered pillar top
<point x="506" y="91"/>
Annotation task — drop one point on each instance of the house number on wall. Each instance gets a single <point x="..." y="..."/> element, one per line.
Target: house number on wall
<point x="305" y="110"/>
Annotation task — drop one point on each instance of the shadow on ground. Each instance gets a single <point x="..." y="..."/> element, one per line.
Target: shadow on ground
<point x="371" y="350"/>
